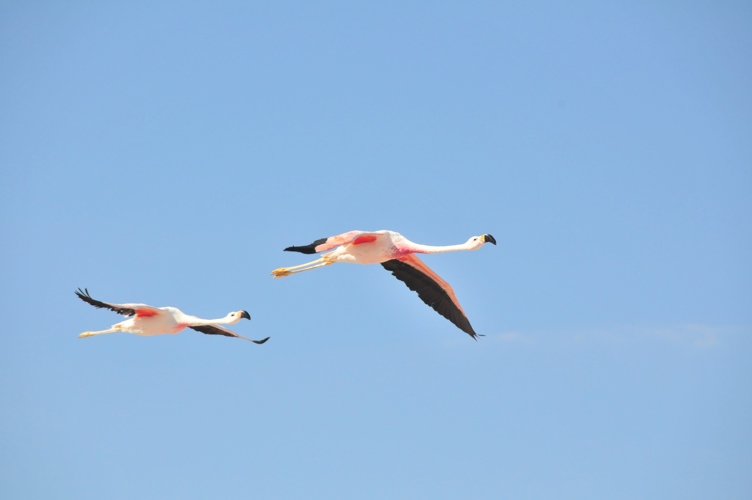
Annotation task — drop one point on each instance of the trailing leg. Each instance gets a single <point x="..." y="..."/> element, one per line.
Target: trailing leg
<point x="286" y="271"/>
<point x="115" y="328"/>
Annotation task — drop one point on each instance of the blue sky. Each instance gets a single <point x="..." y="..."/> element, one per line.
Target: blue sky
<point x="166" y="153"/>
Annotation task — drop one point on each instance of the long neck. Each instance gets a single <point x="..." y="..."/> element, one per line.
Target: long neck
<point x="418" y="248"/>
<point x="219" y="321"/>
<point x="227" y="320"/>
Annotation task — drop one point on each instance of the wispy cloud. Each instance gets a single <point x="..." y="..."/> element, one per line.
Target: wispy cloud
<point x="514" y="337"/>
<point x="698" y="336"/>
<point x="702" y="336"/>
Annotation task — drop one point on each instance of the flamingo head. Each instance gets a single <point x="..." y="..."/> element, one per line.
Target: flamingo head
<point x="236" y="316"/>
<point x="478" y="241"/>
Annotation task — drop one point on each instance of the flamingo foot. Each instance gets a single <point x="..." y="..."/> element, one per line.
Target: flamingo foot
<point x="281" y="272"/>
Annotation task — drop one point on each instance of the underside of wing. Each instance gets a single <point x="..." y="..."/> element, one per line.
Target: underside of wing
<point x="124" y="309"/>
<point x="431" y="289"/>
<point x="332" y="242"/>
<point x="219" y="330"/>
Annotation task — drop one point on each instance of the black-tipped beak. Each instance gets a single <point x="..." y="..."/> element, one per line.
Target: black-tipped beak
<point x="244" y="314"/>
<point x="489" y="238"/>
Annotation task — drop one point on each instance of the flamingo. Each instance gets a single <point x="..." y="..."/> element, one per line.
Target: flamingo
<point x="148" y="320"/>
<point x="396" y="254"/>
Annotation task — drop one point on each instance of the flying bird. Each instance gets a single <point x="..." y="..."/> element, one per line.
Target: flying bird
<point x="396" y="254"/>
<point x="148" y="320"/>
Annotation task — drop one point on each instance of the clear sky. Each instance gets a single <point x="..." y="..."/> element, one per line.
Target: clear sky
<point x="166" y="153"/>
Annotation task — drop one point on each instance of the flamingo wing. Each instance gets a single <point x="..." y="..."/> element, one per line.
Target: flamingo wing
<point x="124" y="309"/>
<point x="218" y="330"/>
<point x="431" y="289"/>
<point x="324" y="244"/>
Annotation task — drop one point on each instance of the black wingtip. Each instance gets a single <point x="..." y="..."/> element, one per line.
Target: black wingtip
<point x="309" y="249"/>
<point x="431" y="293"/>
<point x="300" y="249"/>
<point x="260" y="341"/>
<point x="84" y="295"/>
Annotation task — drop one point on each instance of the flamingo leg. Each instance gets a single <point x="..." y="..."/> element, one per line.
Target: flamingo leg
<point x="300" y="265"/>
<point x="115" y="328"/>
<point x="286" y="271"/>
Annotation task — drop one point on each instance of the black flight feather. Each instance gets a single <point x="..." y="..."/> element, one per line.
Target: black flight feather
<point x="307" y="248"/>
<point x="84" y="295"/>
<point x="213" y="330"/>
<point x="430" y="292"/>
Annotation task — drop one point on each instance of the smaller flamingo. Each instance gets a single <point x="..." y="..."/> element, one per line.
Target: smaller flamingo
<point x="396" y="254"/>
<point x="148" y="320"/>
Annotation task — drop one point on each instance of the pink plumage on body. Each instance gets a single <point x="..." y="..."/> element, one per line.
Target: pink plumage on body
<point x="396" y="254"/>
<point x="148" y="321"/>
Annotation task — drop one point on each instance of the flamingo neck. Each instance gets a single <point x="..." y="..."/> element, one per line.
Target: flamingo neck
<point x="225" y="321"/>
<point x="417" y="248"/>
<point x="219" y="321"/>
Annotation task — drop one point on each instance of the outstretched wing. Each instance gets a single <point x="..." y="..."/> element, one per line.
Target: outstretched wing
<point x="124" y="309"/>
<point x="431" y="289"/>
<point x="331" y="242"/>
<point x="218" y="330"/>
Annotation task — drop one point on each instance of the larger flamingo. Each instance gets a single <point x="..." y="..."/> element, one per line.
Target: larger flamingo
<point x="396" y="254"/>
<point x="148" y="320"/>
